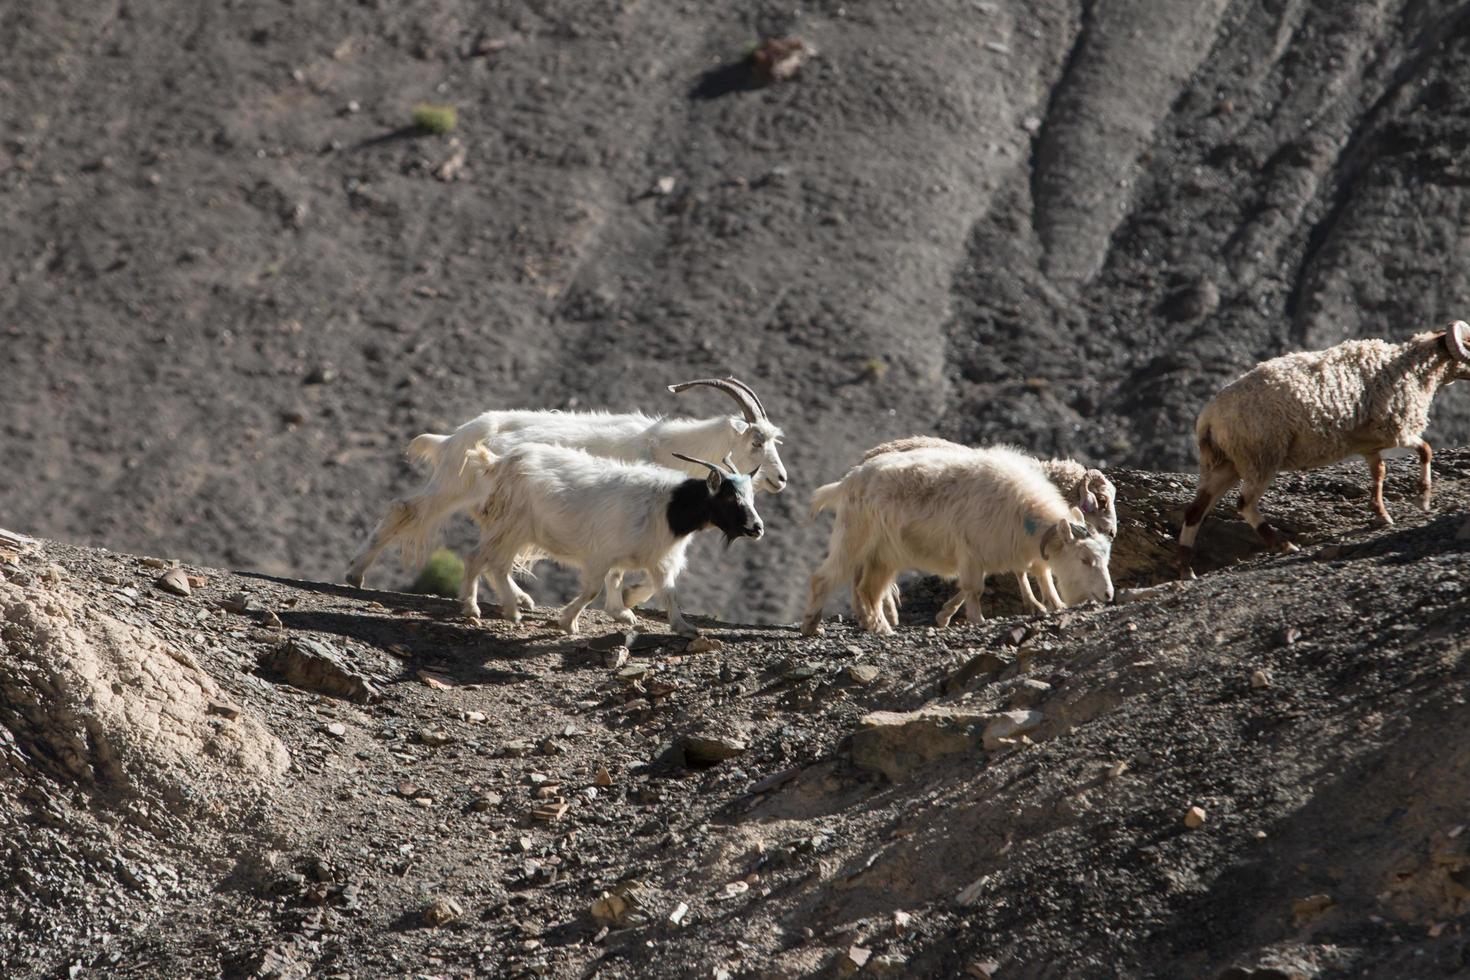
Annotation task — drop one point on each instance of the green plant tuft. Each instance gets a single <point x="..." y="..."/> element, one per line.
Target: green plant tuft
<point x="436" y="119"/>
<point x="441" y="575"/>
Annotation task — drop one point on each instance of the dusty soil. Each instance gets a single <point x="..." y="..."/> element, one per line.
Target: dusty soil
<point x="232" y="286"/>
<point x="1001" y="799"/>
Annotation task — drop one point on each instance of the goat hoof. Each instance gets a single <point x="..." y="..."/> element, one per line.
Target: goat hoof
<point x="526" y="603"/>
<point x="626" y="617"/>
<point x="689" y="631"/>
<point x="356" y="580"/>
<point x="811" y="629"/>
<point x="470" y="612"/>
<point x="1288" y="548"/>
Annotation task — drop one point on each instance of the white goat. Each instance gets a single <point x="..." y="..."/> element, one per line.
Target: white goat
<point x="413" y="522"/>
<point x="600" y="515"/>
<point x="1305" y="410"/>
<point x="956" y="514"/>
<point x="1089" y="490"/>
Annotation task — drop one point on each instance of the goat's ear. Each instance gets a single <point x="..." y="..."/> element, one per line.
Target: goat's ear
<point x="714" y="480"/>
<point x="739" y="425"/>
<point x="1077" y="516"/>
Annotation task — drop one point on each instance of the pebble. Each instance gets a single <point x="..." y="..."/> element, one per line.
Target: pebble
<point x="1194" y="817"/>
<point x="863" y="674"/>
<point x="615" y="658"/>
<point x="174" y="580"/>
<point x="1260" y="679"/>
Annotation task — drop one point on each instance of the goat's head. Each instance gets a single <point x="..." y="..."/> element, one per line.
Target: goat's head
<point x="1457" y="345"/>
<point x="755" y="436"/>
<point x="1097" y="499"/>
<point x="1079" y="560"/>
<point x="729" y="503"/>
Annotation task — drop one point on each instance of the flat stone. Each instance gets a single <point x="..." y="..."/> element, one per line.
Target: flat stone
<point x="895" y="743"/>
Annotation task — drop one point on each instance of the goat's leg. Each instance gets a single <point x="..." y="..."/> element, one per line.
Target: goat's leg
<point x="406" y="516"/>
<point x="591" y="585"/>
<point x="505" y="590"/>
<point x="891" y="596"/>
<point x="1378" y="469"/>
<point x="1213" y="482"/>
<point x="1250" y="496"/>
<point x="1049" y="588"/>
<point x="867" y="598"/>
<point x="835" y="569"/>
<point x="1027" y="596"/>
<point x="972" y="587"/>
<point x="469" y="586"/>
<point x="943" y="617"/>
<point x="662" y="580"/>
<point x="613" y="603"/>
<point x="1426" y="454"/>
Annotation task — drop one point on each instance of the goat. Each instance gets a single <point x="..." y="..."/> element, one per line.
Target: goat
<point x="600" y="515"/>
<point x="1308" y="409"/>
<point x="956" y="514"/>
<point x="413" y="522"/>
<point x="1091" y="491"/>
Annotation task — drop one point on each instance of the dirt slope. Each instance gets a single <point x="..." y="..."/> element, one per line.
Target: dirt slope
<point x="232" y="286"/>
<point x="1005" y="798"/>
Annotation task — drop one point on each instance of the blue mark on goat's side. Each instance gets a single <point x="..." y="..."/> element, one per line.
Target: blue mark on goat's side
<point x="1030" y="525"/>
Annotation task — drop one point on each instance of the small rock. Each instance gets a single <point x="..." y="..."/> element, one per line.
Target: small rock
<point x="551" y="746"/>
<point x="551" y="811"/>
<point x="335" y="729"/>
<point x="1029" y="691"/>
<point x="408" y="789"/>
<point x="174" y="580"/>
<point x="704" y="644"/>
<point x="734" y="889"/>
<point x="983" y="969"/>
<point x="314" y="666"/>
<point x="1304" y="909"/>
<point x="197" y="581"/>
<point x="149" y="562"/>
<point x="602" y="777"/>
<point x="515" y="749"/>
<point x="676" y="917"/>
<point x="902" y="922"/>
<point x="709" y="749"/>
<point x="778" y="59"/>
<point x="615" y="658"/>
<point x="475" y="717"/>
<point x="271" y="620"/>
<point x="1010" y="725"/>
<point x="423" y="801"/>
<point x="1260" y="679"/>
<point x="438" y="682"/>
<point x="483" y="803"/>
<point x="854" y="959"/>
<point x="434" y="736"/>
<point x="441" y="912"/>
<point x="224" y="709"/>
<point x="1117" y="769"/>
<point x="633" y="673"/>
<point x="664" y="186"/>
<point x="863" y="674"/>
<point x="1194" y="817"/>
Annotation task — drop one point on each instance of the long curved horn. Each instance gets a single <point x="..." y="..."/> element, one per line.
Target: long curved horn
<point x="1457" y="339"/>
<point x="749" y="404"/>
<point x="690" y="459"/>
<point x="751" y="392"/>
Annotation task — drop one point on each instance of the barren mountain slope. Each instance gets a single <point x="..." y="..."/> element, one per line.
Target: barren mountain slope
<point x="268" y="777"/>
<point x="232" y="286"/>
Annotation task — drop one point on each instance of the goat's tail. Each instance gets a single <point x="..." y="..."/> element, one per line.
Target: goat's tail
<point x="826" y="497"/>
<point x="1211" y="457"/>
<point x="426" y="448"/>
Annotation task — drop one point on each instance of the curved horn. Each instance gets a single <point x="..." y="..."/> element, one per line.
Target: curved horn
<point x="691" y="459"/>
<point x="760" y="406"/>
<point x="749" y="404"/>
<point x="1457" y="339"/>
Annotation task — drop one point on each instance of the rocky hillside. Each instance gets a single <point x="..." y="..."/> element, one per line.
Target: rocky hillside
<point x="235" y="281"/>
<point x="1261" y="773"/>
